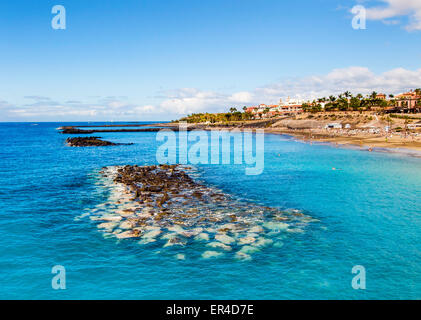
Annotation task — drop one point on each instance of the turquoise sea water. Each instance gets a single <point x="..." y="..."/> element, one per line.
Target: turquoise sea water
<point x="369" y="214"/>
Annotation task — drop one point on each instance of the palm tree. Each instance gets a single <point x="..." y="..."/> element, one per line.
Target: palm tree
<point x="373" y="95"/>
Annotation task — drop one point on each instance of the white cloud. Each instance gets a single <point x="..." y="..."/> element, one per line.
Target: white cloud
<point x="104" y="108"/>
<point x="191" y="100"/>
<point x="37" y="98"/>
<point x="4" y="104"/>
<point x="172" y="105"/>
<point x="398" y="8"/>
<point x="139" y="110"/>
<point x="354" y="79"/>
<point x="244" y="97"/>
<point x="116" y="104"/>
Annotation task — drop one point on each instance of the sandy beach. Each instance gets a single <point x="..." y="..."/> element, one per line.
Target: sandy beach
<point x="362" y="140"/>
<point x="365" y="131"/>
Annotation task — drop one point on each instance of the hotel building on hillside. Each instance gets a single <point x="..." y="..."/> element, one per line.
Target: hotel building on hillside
<point x="290" y="106"/>
<point x="408" y="100"/>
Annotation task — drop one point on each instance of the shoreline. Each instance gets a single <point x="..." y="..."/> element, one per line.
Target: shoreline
<point x="395" y="143"/>
<point x="413" y="152"/>
<point x="374" y="143"/>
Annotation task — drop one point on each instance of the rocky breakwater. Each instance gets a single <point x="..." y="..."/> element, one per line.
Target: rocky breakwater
<point x="88" y="142"/>
<point x="72" y="130"/>
<point x="164" y="207"/>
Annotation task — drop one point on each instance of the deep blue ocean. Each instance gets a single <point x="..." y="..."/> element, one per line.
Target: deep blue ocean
<point x="368" y="212"/>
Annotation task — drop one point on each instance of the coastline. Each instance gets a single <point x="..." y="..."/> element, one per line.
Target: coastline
<point x="369" y="142"/>
<point x="393" y="143"/>
<point x="372" y="147"/>
<point x="375" y="142"/>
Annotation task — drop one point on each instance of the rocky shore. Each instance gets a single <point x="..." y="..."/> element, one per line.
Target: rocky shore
<point x="163" y="206"/>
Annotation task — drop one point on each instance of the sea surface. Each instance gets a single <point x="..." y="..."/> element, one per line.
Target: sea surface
<point x="367" y="212"/>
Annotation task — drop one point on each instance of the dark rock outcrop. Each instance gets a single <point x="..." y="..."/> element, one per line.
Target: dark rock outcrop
<point x="88" y="142"/>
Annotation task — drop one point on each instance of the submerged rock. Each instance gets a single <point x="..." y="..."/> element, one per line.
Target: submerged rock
<point x="262" y="242"/>
<point x="276" y="225"/>
<point x="249" y="250"/>
<point x="127" y="234"/>
<point x="242" y="256"/>
<point x="152" y="234"/>
<point x="180" y="256"/>
<point x="176" y="229"/>
<point x="202" y="237"/>
<point x="256" y="229"/>
<point x="111" y="218"/>
<point x="163" y="205"/>
<point x="174" y="242"/>
<point x="108" y="225"/>
<point x="211" y="254"/>
<point x="126" y="225"/>
<point x="246" y="240"/>
<point x="278" y="244"/>
<point x="147" y="240"/>
<point x="224" y="238"/>
<point x="220" y="245"/>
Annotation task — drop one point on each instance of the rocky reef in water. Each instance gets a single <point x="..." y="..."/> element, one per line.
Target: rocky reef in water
<point x="88" y="142"/>
<point x="165" y="207"/>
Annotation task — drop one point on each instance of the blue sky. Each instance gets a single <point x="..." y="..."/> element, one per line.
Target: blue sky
<point x="157" y="60"/>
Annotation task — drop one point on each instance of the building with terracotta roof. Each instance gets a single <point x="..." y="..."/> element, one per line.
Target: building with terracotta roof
<point x="409" y="101"/>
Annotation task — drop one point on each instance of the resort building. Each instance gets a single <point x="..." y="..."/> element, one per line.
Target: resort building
<point x="252" y="110"/>
<point x="290" y="106"/>
<point x="381" y="96"/>
<point x="409" y="101"/>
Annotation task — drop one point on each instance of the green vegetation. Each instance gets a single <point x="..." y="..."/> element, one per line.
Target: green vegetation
<point x="348" y="102"/>
<point x="398" y="116"/>
<point x="313" y="108"/>
<point x="234" y="115"/>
